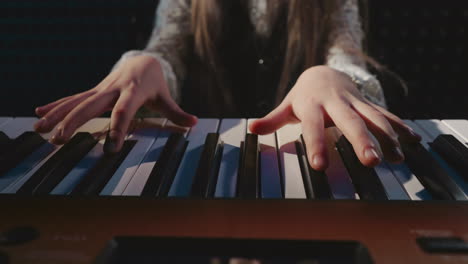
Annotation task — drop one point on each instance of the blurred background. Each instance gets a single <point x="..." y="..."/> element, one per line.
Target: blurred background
<point x="53" y="48"/>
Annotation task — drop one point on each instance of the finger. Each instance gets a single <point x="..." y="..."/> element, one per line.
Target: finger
<point x="277" y="118"/>
<point x="121" y="117"/>
<point x="170" y="109"/>
<point x="93" y="106"/>
<point x="406" y="133"/>
<point x="355" y="130"/>
<point x="43" y="110"/>
<point x="56" y="114"/>
<point x="379" y="126"/>
<point x="313" y="132"/>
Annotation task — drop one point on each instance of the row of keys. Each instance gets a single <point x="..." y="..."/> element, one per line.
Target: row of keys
<point x="219" y="158"/>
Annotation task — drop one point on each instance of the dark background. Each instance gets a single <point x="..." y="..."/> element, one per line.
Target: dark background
<point x="53" y="48"/>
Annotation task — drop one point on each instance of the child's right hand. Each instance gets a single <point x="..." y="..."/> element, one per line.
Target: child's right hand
<point x="137" y="81"/>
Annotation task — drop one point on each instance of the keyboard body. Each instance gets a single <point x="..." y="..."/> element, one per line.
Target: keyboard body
<point x="77" y="228"/>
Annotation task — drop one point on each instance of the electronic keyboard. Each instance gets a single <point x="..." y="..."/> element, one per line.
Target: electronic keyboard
<point x="215" y="193"/>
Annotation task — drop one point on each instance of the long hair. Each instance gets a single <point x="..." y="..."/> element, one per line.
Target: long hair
<point x="309" y="23"/>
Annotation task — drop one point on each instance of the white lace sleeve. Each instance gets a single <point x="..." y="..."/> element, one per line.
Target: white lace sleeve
<point x="346" y="38"/>
<point x="169" y="42"/>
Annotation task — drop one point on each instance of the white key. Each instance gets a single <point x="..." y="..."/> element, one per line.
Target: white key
<point x="392" y="186"/>
<point x="14" y="127"/>
<point x="186" y="172"/>
<point x="435" y="128"/>
<point x="82" y="167"/>
<point x="22" y="175"/>
<point x="145" y="138"/>
<point x="232" y="133"/>
<point x="403" y="174"/>
<point x="270" y="177"/>
<point x="18" y="126"/>
<point x="137" y="183"/>
<point x="340" y="182"/>
<point x="425" y="136"/>
<point x="21" y="179"/>
<point x="290" y="168"/>
<point x="4" y="121"/>
<point x="460" y="127"/>
<point x="26" y="165"/>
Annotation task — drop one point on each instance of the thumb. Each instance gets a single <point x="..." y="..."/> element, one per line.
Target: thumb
<point x="170" y="109"/>
<point x="277" y="118"/>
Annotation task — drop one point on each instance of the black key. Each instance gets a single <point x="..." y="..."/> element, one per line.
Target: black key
<point x="5" y="142"/>
<point x="315" y="182"/>
<point x="59" y="165"/>
<point x="454" y="152"/>
<point x="19" y="149"/>
<point x="431" y="174"/>
<point x="248" y="181"/>
<point x="95" y="180"/>
<point x="162" y="175"/>
<point x="365" y="179"/>
<point x="206" y="174"/>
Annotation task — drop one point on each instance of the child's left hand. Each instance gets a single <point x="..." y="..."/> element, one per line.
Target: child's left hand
<point x="324" y="97"/>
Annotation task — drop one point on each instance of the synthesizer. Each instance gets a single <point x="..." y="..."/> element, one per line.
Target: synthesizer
<point x="215" y="193"/>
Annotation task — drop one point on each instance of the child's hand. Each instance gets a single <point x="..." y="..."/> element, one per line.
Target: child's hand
<point x="136" y="82"/>
<point x="323" y="97"/>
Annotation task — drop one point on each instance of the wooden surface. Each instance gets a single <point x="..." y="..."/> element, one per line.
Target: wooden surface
<point x="75" y="230"/>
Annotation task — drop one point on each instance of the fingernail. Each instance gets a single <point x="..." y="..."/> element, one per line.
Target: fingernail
<point x="40" y="124"/>
<point x="371" y="153"/>
<point x="110" y="144"/>
<point x="318" y="161"/>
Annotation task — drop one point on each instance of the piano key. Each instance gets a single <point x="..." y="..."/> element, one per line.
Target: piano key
<point x="338" y="177"/>
<point x="137" y="183"/>
<point x="16" y="177"/>
<point x="18" y="126"/>
<point x="291" y="171"/>
<point x="99" y="127"/>
<point x="4" y="121"/>
<point x="304" y="166"/>
<point x="365" y="179"/>
<point x="185" y="174"/>
<point x="436" y="127"/>
<point x="59" y="165"/>
<point x="31" y="162"/>
<point x="98" y="176"/>
<point x="51" y="180"/>
<point x="406" y="177"/>
<point x="248" y="181"/>
<point x="393" y="187"/>
<point x="5" y="142"/>
<point x="232" y="133"/>
<point x="460" y="127"/>
<point x="316" y="182"/>
<point x="453" y="152"/>
<point x="162" y="175"/>
<point x="431" y="174"/>
<point x="270" y="180"/>
<point x="144" y="138"/>
<point x="410" y="182"/>
<point x="19" y="149"/>
<point x="433" y="129"/>
<point x="206" y="174"/>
